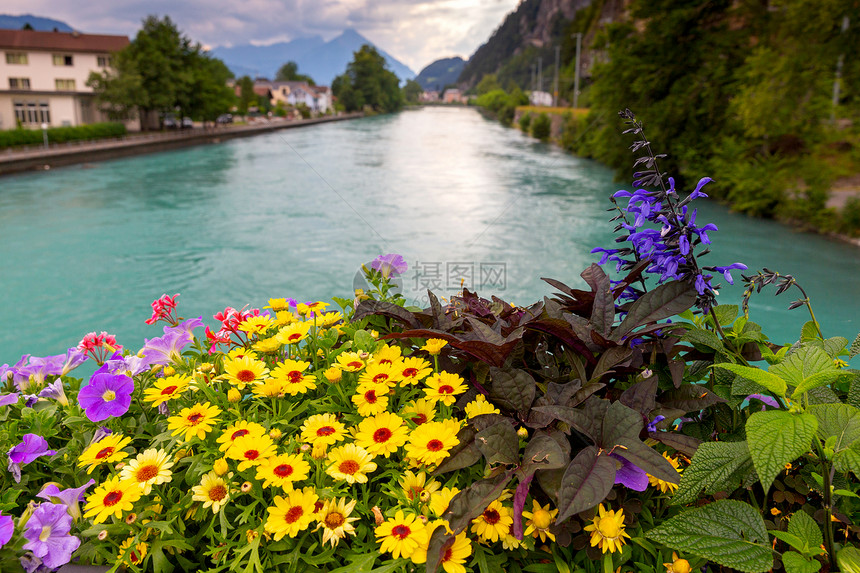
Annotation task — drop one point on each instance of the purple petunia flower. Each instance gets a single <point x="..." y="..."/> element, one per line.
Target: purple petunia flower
<point x="106" y="395"/>
<point x="9" y="399"/>
<point x="629" y="474"/>
<point x="32" y="447"/>
<point x="32" y="564"/>
<point x="7" y="528"/>
<point x="55" y="391"/>
<point x="70" y="497"/>
<point x="47" y="532"/>
<point x="389" y="265"/>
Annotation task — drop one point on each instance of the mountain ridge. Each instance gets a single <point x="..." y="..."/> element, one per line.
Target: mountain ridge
<point x="440" y="73"/>
<point x="9" y="22"/>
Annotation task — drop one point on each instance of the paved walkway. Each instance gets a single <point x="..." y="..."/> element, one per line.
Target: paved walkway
<point x="34" y="158"/>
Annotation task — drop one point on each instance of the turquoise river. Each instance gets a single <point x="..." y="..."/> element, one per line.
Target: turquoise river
<point x="295" y="213"/>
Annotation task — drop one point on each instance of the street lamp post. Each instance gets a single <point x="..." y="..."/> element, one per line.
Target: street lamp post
<point x="45" y="134"/>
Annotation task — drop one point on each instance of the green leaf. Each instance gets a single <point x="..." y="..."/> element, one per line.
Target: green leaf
<point x="514" y="389"/>
<point x="790" y="538"/>
<point x="806" y="529"/>
<point x="499" y="444"/>
<point x="704" y="338"/>
<point x="835" y="345"/>
<point x="803" y="363"/>
<point x="664" y="301"/>
<point x="731" y="533"/>
<point x="717" y="466"/>
<point x="725" y="313"/>
<point x="586" y="482"/>
<point x="816" y="380"/>
<point x="848" y="559"/>
<point x="778" y="437"/>
<point x="797" y="563"/>
<point x="841" y="421"/>
<point x="764" y="378"/>
<point x="848" y="460"/>
<point x="808" y="332"/>
<point x="690" y="398"/>
<point x="854" y="391"/>
<point x="855" y="347"/>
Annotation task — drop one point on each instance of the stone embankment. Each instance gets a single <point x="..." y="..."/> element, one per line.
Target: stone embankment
<point x="41" y="158"/>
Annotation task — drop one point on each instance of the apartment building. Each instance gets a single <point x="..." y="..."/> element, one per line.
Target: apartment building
<point x="43" y="76"/>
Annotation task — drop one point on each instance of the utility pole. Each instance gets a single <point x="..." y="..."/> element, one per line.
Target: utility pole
<point x="555" y="81"/>
<point x="534" y="67"/>
<point x="839" y="63"/>
<point x="576" y="71"/>
<point x="540" y="75"/>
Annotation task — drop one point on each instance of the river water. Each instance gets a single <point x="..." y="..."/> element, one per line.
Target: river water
<point x="296" y="212"/>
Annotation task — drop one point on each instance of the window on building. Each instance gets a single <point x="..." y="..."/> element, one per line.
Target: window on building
<point x="105" y="61"/>
<point x="16" y="58"/>
<point x="32" y="112"/>
<point x="65" y="85"/>
<point x="63" y="60"/>
<point x="19" y="83"/>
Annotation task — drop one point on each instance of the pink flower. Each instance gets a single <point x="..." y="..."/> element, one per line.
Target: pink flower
<point x="99" y="346"/>
<point x="162" y="309"/>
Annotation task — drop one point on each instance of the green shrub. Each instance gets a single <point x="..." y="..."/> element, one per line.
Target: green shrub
<point x="18" y="137"/>
<point x="525" y="120"/>
<point x="541" y="127"/>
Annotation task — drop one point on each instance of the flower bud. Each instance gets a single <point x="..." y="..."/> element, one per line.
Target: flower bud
<point x="155" y="369"/>
<point x="131" y="518"/>
<point x="304" y="447"/>
<point x="233" y="395"/>
<point x="333" y="374"/>
<point x="275" y="433"/>
<point x="246" y="487"/>
<point x="378" y="519"/>
<point x="523" y="432"/>
<point x="220" y="466"/>
<point x="374" y="334"/>
<point x="169" y="370"/>
<point x="103" y="534"/>
<point x="205" y="367"/>
<point x="319" y="451"/>
<point x="364" y="355"/>
<point x="252" y="534"/>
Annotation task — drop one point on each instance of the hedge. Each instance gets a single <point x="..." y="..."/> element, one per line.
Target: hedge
<point x="17" y="137"/>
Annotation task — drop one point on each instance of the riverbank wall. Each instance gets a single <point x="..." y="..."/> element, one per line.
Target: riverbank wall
<point x="39" y="159"/>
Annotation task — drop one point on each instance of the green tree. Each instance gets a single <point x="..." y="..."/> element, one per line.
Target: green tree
<point x="412" y="91"/>
<point x="289" y="72"/>
<point x="247" y="97"/>
<point x="367" y="82"/>
<point x="487" y="84"/>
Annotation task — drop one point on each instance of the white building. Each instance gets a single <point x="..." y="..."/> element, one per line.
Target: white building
<point x="43" y="76"/>
<point x="540" y="98"/>
<point x="317" y="98"/>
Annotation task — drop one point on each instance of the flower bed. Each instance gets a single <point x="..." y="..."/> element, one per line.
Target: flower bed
<point x="620" y="428"/>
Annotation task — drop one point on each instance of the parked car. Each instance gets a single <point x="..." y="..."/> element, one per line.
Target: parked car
<point x="224" y="118"/>
<point x="170" y="122"/>
<point x="187" y="123"/>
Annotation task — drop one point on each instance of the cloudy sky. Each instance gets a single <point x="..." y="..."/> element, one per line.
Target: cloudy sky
<point x="416" y="32"/>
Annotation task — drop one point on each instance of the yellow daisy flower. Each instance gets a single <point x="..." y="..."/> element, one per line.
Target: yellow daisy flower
<point x="243" y="371"/>
<point x="380" y="374"/>
<point x="454" y="557"/>
<point x="334" y="518"/>
<point x="283" y="470"/>
<point x="132" y="553"/>
<point x="678" y="565"/>
<point x="269" y="388"/>
<point x="387" y="355"/>
<point x="350" y="463"/>
<point x="152" y="467"/>
<point x="111" y="498"/>
<point x="382" y="434"/>
<point x="292" y="374"/>
<point x="539" y="520"/>
<point x="284" y="317"/>
<point x="439" y="500"/>
<point x="323" y="429"/>
<point x="350" y="361"/>
<point x="416" y="488"/>
<point x="419" y="556"/>
<point x="236" y="431"/>
<point x="106" y="451"/>
<point x="212" y="491"/>
<point x="268" y="345"/>
<point x="429" y="443"/>
<point x="495" y="523"/>
<point x="665" y="486"/>
<point x="311" y="307"/>
<point x="333" y="374"/>
<point x="256" y="324"/>
<point x="434" y="346"/>
<point x="194" y="421"/>
<point x="480" y="406"/>
<point x="420" y="411"/>
<point x="328" y="318"/>
<point x="371" y="399"/>
<point x="166" y="389"/>
<point x="401" y="535"/>
<point x="444" y="387"/>
<point x="413" y="370"/>
<point x="291" y="514"/>
<point x="251" y="450"/>
<point x="294" y="332"/>
<point x="607" y="530"/>
<point x="240" y="352"/>
<point x="277" y="304"/>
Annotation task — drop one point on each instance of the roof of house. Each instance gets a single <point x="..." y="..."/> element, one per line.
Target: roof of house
<point x="61" y="41"/>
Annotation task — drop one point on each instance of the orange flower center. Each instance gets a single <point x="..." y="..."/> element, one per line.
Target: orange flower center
<point x="380" y="377"/>
<point x="401" y="531"/>
<point x="492" y="516"/>
<point x="105" y="452"/>
<point x="218" y="493"/>
<point x="435" y="445"/>
<point x="283" y="470"/>
<point x="294" y="514"/>
<point x="410" y="372"/>
<point x="348" y="467"/>
<point x="334" y="520"/>
<point x="325" y="431"/>
<point x="246" y="376"/>
<point x="169" y="390"/>
<point x="381" y="435"/>
<point x="446" y="389"/>
<point x="112" y="498"/>
<point x="146" y="473"/>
